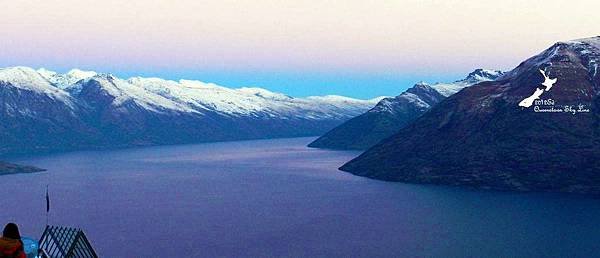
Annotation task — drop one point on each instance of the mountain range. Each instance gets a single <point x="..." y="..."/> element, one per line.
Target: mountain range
<point x="43" y="110"/>
<point x="482" y="136"/>
<point x="392" y="114"/>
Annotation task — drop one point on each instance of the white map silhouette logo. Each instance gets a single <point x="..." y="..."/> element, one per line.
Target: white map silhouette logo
<point x="538" y="92"/>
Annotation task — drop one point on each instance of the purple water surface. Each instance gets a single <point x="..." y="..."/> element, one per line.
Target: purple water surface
<point x="273" y="198"/>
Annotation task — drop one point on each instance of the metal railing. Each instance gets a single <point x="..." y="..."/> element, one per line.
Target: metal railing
<point x="64" y="242"/>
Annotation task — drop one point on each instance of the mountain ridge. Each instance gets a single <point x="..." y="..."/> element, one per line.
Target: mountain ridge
<point x="391" y="114"/>
<point x="481" y="137"/>
<point x="44" y="110"/>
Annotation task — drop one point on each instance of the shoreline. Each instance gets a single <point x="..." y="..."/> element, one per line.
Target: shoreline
<point x="10" y="168"/>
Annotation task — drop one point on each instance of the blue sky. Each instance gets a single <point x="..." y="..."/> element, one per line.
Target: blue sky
<point x="363" y="85"/>
<point x="301" y="84"/>
<point x="354" y="48"/>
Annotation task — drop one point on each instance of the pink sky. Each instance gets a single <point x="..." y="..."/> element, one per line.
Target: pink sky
<point x="446" y="37"/>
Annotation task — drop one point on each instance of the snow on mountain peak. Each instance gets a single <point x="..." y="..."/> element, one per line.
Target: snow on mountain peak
<point x="339" y="99"/>
<point x="62" y="81"/>
<point x="46" y="73"/>
<point x="585" y="51"/>
<point x="260" y="92"/>
<point x="80" y="74"/>
<point x="477" y="76"/>
<point x="594" y="41"/>
<point x="21" y="76"/>
<point x="250" y="100"/>
<point x="125" y="90"/>
<point x="200" y="85"/>
<point x="423" y="95"/>
<point x="190" y="96"/>
<point x="29" y="79"/>
<point x="480" y="75"/>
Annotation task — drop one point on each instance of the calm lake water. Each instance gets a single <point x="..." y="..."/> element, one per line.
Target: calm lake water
<point x="278" y="198"/>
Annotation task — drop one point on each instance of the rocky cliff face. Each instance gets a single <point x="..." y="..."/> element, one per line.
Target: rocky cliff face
<point x="481" y="137"/>
<point x="392" y="114"/>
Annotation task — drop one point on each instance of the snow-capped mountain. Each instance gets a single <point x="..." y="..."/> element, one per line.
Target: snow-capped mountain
<point x="483" y="137"/>
<point x="391" y="114"/>
<point x="44" y="110"/>
<point x="27" y="79"/>
<point x="200" y="96"/>
<point x="477" y="76"/>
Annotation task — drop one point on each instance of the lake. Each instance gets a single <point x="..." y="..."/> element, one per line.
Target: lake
<point x="270" y="198"/>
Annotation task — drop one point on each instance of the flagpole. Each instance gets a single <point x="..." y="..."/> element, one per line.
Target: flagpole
<point x="47" y="205"/>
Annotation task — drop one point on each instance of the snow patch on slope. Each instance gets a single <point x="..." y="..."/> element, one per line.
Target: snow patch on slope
<point x="123" y="91"/>
<point x="414" y="99"/>
<point x="423" y="95"/>
<point x="477" y="76"/>
<point x="65" y="80"/>
<point x="588" y="49"/>
<point x="250" y="101"/>
<point x="28" y="79"/>
<point x="189" y="96"/>
<point x="448" y="89"/>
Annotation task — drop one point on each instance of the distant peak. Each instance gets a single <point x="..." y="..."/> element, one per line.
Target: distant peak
<point x="484" y="74"/>
<point x="46" y="73"/>
<point x="596" y="38"/>
<point x="20" y="73"/>
<point x="585" y="51"/>
<point x="30" y="79"/>
<point x="81" y="74"/>
<point x="99" y="76"/>
<point x="593" y="41"/>
<point x="19" y="69"/>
